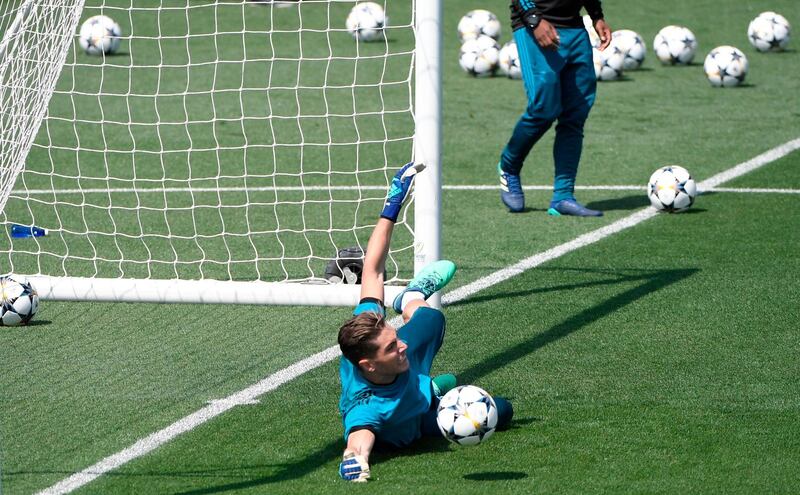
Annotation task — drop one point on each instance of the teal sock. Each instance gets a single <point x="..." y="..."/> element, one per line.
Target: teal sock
<point x="442" y="384"/>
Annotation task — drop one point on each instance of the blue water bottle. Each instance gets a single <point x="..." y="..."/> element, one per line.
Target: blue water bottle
<point x="23" y="231"/>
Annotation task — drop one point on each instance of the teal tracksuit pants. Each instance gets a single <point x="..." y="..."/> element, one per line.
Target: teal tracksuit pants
<point x="561" y="86"/>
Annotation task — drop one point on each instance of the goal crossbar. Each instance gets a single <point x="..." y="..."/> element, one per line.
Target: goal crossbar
<point x="199" y="291"/>
<point x="225" y="155"/>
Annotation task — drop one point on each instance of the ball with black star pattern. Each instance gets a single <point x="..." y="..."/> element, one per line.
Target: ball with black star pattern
<point x="367" y="21"/>
<point x="632" y="46"/>
<point x="769" y="32"/>
<point x="675" y="45"/>
<point x="480" y="56"/>
<point x="671" y="189"/>
<point x="725" y="66"/>
<point x="608" y="63"/>
<point x="19" y="301"/>
<point x="467" y="415"/>
<point x="99" y="35"/>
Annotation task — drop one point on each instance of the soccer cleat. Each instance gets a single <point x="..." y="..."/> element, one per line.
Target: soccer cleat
<point x="511" y="191"/>
<point x="572" y="208"/>
<point x="430" y="279"/>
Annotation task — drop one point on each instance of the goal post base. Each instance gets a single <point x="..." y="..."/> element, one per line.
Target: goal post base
<point x="199" y="291"/>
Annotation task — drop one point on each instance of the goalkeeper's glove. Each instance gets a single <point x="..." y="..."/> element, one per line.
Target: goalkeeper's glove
<point x="354" y="468"/>
<point x="398" y="191"/>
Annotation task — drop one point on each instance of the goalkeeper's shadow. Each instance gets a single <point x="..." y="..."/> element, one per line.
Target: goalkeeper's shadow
<point x="654" y="281"/>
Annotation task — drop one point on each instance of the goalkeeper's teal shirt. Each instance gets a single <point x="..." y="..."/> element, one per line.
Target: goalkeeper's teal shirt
<point x="394" y="412"/>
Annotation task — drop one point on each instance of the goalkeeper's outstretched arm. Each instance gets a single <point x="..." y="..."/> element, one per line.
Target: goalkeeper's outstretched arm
<point x="355" y="461"/>
<point x="379" y="241"/>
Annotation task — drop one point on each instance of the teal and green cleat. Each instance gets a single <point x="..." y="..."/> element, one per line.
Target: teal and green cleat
<point x="430" y="279"/>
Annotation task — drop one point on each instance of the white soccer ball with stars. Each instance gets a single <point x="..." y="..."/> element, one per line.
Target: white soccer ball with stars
<point x="18" y="301"/>
<point x="367" y="21"/>
<point x="478" y="22"/>
<point x="608" y="63"/>
<point x="480" y="56"/>
<point x="769" y="32"/>
<point x="671" y="189"/>
<point x="633" y="48"/>
<point x="99" y="35"/>
<point x="675" y="45"/>
<point x="467" y="415"/>
<point x="509" y="61"/>
<point x="725" y="66"/>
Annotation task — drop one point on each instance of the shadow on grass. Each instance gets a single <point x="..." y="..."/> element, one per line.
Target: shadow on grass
<point x="285" y="472"/>
<point x="633" y="202"/>
<point x="496" y="476"/>
<point x="653" y="281"/>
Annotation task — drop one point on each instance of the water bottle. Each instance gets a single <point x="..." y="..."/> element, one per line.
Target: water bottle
<point x="23" y="231"/>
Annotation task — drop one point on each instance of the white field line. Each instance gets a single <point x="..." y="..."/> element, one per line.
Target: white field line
<point x="251" y="393"/>
<point x="464" y="187"/>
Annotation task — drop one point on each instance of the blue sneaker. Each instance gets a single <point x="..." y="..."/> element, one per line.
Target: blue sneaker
<point x="572" y="208"/>
<point x="511" y="191"/>
<point x="430" y="279"/>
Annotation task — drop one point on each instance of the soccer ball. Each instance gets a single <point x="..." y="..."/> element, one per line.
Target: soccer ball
<point x="594" y="38"/>
<point x="478" y="22"/>
<point x="479" y="56"/>
<point x="675" y="45"/>
<point x="366" y="21"/>
<point x="509" y="61"/>
<point x="632" y="46"/>
<point x="769" y="31"/>
<point x="608" y="63"/>
<point x="671" y="189"/>
<point x="18" y="301"/>
<point x="467" y="415"/>
<point x="99" y="35"/>
<point x="725" y="66"/>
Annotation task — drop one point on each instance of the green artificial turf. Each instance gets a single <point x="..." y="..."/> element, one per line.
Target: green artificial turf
<point x="662" y="359"/>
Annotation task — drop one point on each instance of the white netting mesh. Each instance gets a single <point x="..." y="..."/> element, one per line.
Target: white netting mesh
<point x="232" y="140"/>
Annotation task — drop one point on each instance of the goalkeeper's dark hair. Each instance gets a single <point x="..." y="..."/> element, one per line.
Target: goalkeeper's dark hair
<point x="358" y="334"/>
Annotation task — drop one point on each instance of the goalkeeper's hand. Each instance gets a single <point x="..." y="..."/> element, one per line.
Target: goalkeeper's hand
<point x="398" y="191"/>
<point x="354" y="468"/>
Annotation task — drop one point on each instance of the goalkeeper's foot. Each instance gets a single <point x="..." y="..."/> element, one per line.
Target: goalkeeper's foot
<point x="430" y="279"/>
<point x="511" y="191"/>
<point x="573" y="208"/>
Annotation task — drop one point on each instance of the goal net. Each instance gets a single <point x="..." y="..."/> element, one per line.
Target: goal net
<point x="224" y="153"/>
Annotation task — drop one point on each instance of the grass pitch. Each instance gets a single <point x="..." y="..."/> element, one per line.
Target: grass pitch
<point x="660" y="360"/>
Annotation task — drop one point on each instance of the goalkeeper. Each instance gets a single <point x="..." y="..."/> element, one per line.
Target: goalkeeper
<point x="388" y="395"/>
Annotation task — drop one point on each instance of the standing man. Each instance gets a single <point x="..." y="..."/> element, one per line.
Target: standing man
<point x="388" y="395"/>
<point x="558" y="70"/>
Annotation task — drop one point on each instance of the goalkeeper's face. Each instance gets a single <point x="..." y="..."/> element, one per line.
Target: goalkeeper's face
<point x="390" y="358"/>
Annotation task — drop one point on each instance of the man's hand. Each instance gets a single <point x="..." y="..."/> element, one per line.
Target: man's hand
<point x="398" y="191"/>
<point x="354" y="468"/>
<point x="547" y="36"/>
<point x="604" y="32"/>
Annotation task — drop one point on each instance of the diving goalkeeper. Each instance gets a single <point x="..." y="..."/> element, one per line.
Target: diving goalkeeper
<point x="388" y="395"/>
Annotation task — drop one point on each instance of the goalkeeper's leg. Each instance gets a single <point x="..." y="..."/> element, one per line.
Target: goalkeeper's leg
<point x="505" y="413"/>
<point x="429" y="280"/>
<point x="442" y="384"/>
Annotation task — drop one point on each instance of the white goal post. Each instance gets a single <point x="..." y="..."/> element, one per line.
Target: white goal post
<point x="224" y="154"/>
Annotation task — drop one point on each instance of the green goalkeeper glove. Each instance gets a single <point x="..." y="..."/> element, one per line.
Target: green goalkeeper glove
<point x="354" y="468"/>
<point x="398" y="191"/>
